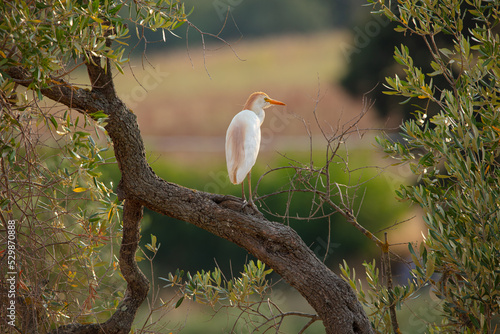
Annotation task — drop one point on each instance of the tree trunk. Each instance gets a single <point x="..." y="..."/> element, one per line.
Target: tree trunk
<point x="273" y="243"/>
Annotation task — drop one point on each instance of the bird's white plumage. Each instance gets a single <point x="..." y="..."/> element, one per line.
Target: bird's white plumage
<point x="242" y="144"/>
<point x="243" y="140"/>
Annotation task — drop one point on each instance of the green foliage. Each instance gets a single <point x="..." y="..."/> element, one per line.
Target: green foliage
<point x="211" y="287"/>
<point x="67" y="219"/>
<point x="455" y="155"/>
<point x="376" y="297"/>
<point x="44" y="37"/>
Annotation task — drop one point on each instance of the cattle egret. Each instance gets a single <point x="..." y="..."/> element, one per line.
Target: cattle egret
<point x="243" y="139"/>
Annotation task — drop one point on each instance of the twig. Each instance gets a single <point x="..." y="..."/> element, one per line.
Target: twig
<point x="203" y="43"/>
<point x="386" y="263"/>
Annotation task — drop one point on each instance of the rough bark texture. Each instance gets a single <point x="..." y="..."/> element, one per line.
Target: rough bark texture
<point x="275" y="244"/>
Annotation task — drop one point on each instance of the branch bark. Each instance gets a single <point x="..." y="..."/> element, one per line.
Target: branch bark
<point x="277" y="245"/>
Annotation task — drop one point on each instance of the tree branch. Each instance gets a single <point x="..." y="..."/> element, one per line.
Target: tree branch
<point x="63" y="92"/>
<point x="386" y="264"/>
<point x="101" y="78"/>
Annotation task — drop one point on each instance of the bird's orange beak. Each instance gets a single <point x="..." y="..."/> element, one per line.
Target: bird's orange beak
<point x="275" y="102"/>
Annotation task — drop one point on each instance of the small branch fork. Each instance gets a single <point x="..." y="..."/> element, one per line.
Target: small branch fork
<point x="307" y="178"/>
<point x="273" y="320"/>
<point x="217" y="37"/>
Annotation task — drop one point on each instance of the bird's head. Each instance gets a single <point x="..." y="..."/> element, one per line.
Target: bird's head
<point x="259" y="100"/>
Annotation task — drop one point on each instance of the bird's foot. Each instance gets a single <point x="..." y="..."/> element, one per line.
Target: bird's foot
<point x="246" y="203"/>
<point x="238" y="204"/>
<point x="249" y="207"/>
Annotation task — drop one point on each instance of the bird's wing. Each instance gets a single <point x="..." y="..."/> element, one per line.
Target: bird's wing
<point x="242" y="145"/>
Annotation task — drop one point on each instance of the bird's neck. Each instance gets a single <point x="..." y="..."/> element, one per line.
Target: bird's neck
<point x="260" y="114"/>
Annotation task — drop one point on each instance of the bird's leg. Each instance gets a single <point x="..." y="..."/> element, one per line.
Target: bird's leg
<point x="250" y="201"/>
<point x="249" y="176"/>
<point x="243" y="192"/>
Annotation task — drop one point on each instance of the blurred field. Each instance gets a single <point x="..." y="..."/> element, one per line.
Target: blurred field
<point x="185" y="99"/>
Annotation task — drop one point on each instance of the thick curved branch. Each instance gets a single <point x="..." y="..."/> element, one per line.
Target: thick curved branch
<point x="137" y="284"/>
<point x="101" y="79"/>
<point x="61" y="91"/>
<point x="278" y="245"/>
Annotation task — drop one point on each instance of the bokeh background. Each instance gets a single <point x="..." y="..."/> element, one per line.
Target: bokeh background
<point x="319" y="55"/>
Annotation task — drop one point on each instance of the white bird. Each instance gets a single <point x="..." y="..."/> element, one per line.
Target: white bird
<point x="243" y="139"/>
